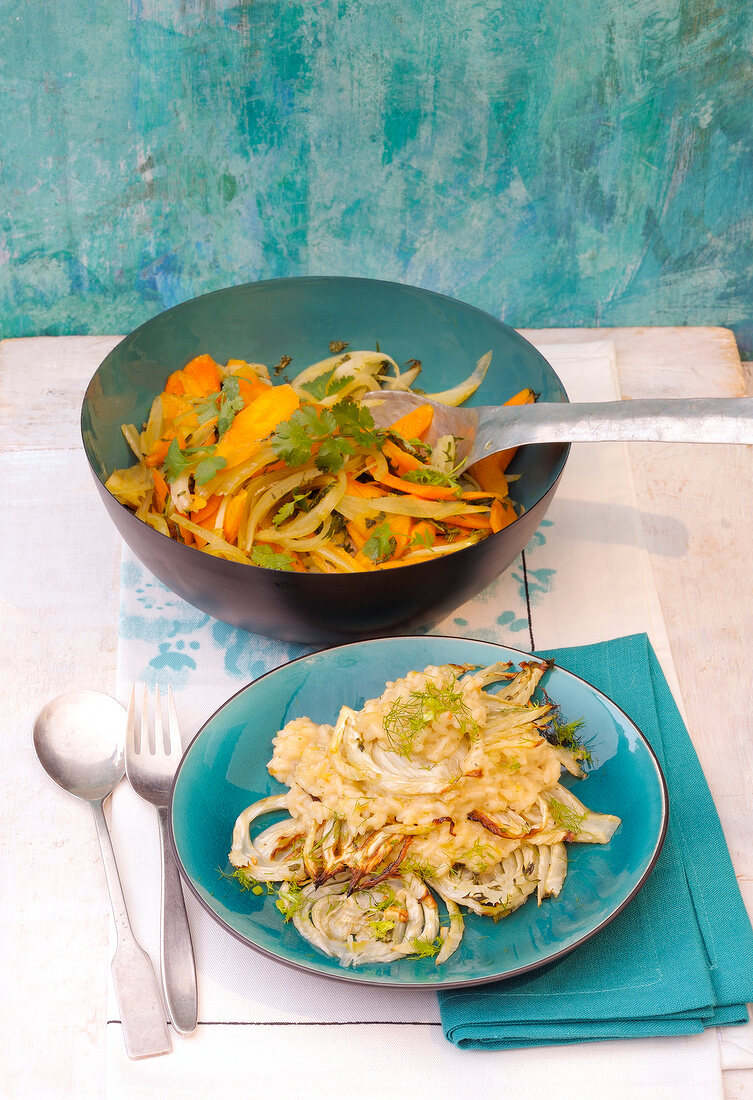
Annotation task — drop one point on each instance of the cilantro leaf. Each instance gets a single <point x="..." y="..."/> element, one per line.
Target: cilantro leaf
<point x="207" y="468"/>
<point x="299" y="502"/>
<point x="325" y="384"/>
<point x="283" y="513"/>
<point x="331" y="455"/>
<point x="176" y="462"/>
<point x="356" y="421"/>
<point x="317" y="387"/>
<point x="381" y="544"/>
<point x="231" y="403"/>
<point x="198" y="459"/>
<point x="268" y="558"/>
<point x="291" y="442"/>
<point x="328" y="434"/>
<point x="423" y="538"/>
<point x="207" y="408"/>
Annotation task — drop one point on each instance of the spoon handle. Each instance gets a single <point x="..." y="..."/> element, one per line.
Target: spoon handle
<point x="142" y="1014"/>
<point x="670" y="420"/>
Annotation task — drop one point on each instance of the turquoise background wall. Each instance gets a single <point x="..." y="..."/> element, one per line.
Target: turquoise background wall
<point x="575" y="163"/>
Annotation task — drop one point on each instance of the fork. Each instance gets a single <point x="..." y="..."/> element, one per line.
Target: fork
<point x="151" y="758"/>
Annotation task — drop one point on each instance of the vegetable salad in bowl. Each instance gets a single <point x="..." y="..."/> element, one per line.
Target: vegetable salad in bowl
<point x="247" y="465"/>
<point x="436" y="790"/>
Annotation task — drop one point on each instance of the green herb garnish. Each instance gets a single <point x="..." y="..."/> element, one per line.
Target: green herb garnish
<point x="301" y="502"/>
<point x="381" y="544"/>
<point x="479" y="857"/>
<point x="328" y="436"/>
<point x="291" y="901"/>
<point x="247" y="882"/>
<point x="423" y="538"/>
<point x="428" y="476"/>
<point x="264" y="555"/>
<point x="178" y="462"/>
<point x="425" y="949"/>
<point x="566" y="818"/>
<point x="325" y="384"/>
<point x="406" y="718"/>
<point x="564" y="734"/>
<point x="231" y="403"/>
<point x="382" y="928"/>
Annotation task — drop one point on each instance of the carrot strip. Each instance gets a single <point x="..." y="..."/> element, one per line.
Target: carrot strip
<point x="174" y="384"/>
<point x="426" y="492"/>
<point x="366" y="489"/>
<point x="502" y="515"/>
<point x="401" y="527"/>
<point x="160" y="489"/>
<point x="201" y="376"/>
<point x="363" y="563"/>
<point x="489" y="474"/>
<point x="204" y="517"/>
<point x="208" y="512"/>
<point x="255" y="422"/>
<point x="414" y="423"/>
<point x="250" y="389"/>
<point x="174" y="404"/>
<point x="399" y="459"/>
<point x="158" y="453"/>
<point x="356" y="534"/>
<point x="232" y="521"/>
<point x="475" y="522"/>
<point x="424" y="533"/>
<point x="476" y="494"/>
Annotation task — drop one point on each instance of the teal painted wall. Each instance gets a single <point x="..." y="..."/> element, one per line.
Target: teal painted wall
<point x="578" y="163"/>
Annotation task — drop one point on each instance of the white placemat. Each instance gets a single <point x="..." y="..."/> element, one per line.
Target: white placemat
<point x="584" y="577"/>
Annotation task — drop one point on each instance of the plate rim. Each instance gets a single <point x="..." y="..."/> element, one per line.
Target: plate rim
<point x="437" y="986"/>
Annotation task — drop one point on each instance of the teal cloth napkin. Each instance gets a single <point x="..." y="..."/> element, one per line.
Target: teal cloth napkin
<point x="679" y="958"/>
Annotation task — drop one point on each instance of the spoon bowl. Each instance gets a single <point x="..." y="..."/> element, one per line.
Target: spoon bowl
<point x="79" y="739"/>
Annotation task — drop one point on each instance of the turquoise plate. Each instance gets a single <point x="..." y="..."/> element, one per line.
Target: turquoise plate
<point x="225" y="769"/>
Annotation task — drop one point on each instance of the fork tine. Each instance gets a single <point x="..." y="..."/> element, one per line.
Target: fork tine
<point x="131" y="723"/>
<point x="145" y="743"/>
<point x="173" y="742"/>
<point x="158" y="745"/>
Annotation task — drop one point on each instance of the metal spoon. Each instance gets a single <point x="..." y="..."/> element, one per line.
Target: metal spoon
<point x="486" y="429"/>
<point x="79" y="740"/>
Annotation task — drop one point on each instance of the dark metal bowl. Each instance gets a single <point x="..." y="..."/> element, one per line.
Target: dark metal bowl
<point x="298" y="317"/>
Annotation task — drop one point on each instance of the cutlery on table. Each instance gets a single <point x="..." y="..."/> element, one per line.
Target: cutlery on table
<point x="151" y="757"/>
<point x="78" y="738"/>
<point x="485" y="429"/>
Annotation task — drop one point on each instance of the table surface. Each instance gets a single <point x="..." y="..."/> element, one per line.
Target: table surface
<point x="59" y="599"/>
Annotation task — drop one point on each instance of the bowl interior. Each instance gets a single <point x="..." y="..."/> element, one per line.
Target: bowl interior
<point x="298" y="317"/>
<point x="224" y="770"/>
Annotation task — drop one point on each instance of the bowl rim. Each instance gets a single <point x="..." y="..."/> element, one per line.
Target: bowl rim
<point x="349" y="976"/>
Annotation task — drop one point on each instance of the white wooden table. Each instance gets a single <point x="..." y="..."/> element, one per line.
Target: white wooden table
<point x="59" y="576"/>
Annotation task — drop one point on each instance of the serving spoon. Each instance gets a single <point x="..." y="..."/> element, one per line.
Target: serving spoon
<point x="486" y="429"/>
<point x="79" y="739"/>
